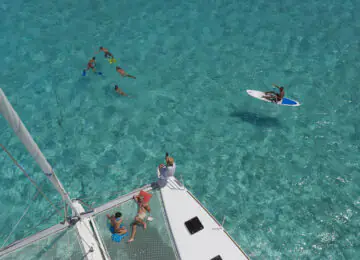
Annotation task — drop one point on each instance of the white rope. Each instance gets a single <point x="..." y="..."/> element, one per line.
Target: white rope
<point x="68" y="244"/>
<point x="94" y="236"/>
<point x="101" y="239"/>
<point x="91" y="249"/>
<point x="81" y="238"/>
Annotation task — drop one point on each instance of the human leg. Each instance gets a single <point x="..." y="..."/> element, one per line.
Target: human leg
<point x="121" y="231"/>
<point x="130" y="76"/>
<point x="133" y="232"/>
<point x="140" y="219"/>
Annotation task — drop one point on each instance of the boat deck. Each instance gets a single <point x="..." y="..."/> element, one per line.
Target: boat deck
<point x="166" y="237"/>
<point x="154" y="243"/>
<point x="208" y="243"/>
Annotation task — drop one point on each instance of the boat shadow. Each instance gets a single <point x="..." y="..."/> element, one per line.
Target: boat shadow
<point x="256" y="119"/>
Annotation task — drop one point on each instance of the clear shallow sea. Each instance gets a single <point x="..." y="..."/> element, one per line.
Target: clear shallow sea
<point x="287" y="179"/>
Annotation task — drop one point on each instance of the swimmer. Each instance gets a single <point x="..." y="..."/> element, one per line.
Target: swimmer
<point x="118" y="90"/>
<point x="273" y="96"/>
<point x="107" y="54"/>
<point x="123" y="73"/>
<point x="91" y="64"/>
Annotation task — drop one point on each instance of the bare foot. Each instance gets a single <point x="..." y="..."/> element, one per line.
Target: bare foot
<point x="130" y="240"/>
<point x="144" y="225"/>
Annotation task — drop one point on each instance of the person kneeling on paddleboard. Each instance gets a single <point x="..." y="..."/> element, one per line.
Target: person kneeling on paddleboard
<point x="273" y="96"/>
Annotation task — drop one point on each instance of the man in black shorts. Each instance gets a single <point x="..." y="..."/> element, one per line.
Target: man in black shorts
<point x="273" y="96"/>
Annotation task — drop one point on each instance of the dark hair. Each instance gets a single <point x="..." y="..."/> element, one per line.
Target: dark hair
<point x="93" y="58"/>
<point x="101" y="47"/>
<point x="118" y="215"/>
<point x="167" y="154"/>
<point x="116" y="87"/>
<point x="281" y="88"/>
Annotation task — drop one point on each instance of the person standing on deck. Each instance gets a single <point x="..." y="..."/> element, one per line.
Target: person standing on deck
<point x="166" y="171"/>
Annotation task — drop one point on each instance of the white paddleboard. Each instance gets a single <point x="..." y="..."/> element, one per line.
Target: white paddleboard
<point x="284" y="102"/>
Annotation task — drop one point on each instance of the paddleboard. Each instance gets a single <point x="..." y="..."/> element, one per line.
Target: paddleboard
<point x="284" y="102"/>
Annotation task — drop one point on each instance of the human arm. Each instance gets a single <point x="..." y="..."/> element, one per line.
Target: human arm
<point x="136" y="198"/>
<point x="112" y="220"/>
<point x="276" y="86"/>
<point x="163" y="165"/>
<point x="130" y="76"/>
<point x="100" y="50"/>
<point x="123" y="94"/>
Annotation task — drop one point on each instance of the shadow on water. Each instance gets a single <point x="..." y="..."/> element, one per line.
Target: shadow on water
<point x="256" y="119"/>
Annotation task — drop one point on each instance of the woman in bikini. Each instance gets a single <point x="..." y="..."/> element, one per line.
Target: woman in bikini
<point x="140" y="217"/>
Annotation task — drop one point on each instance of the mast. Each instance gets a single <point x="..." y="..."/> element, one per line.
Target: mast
<point x="20" y="130"/>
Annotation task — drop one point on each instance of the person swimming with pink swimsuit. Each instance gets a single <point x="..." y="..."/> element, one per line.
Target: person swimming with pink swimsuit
<point x="123" y="73"/>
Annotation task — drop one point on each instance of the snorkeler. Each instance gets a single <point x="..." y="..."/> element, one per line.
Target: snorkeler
<point x="118" y="90"/>
<point x="123" y="73"/>
<point x="91" y="65"/>
<point x="107" y="54"/>
<point x="273" y="96"/>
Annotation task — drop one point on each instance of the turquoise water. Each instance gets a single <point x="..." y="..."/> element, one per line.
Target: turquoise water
<point x="287" y="179"/>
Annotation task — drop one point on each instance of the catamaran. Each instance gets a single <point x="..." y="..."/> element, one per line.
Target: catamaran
<point x="182" y="228"/>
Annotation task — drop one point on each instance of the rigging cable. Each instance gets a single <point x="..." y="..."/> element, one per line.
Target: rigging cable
<point x="23" y="215"/>
<point x="31" y="180"/>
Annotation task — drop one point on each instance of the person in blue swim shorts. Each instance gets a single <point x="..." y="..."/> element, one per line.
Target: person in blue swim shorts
<point x="273" y="96"/>
<point x="116" y="221"/>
